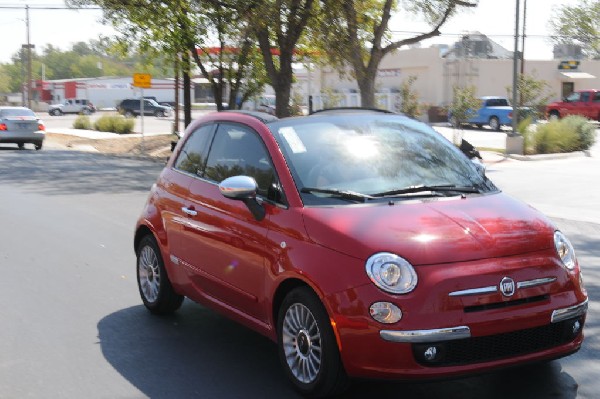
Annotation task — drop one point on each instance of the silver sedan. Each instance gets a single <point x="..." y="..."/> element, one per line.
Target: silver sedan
<point x="20" y="125"/>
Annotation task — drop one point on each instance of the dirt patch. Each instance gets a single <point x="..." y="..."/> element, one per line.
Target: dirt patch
<point x="153" y="146"/>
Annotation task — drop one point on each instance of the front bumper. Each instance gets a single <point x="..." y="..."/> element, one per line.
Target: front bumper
<point x="463" y="332"/>
<point x="457" y="321"/>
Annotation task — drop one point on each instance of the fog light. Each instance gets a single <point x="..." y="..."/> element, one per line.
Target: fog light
<point x="430" y="353"/>
<point x="385" y="312"/>
<point x="576" y="327"/>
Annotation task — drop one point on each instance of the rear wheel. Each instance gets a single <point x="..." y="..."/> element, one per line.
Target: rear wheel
<point x="307" y="346"/>
<point x="155" y="288"/>
<point x="56" y="112"/>
<point x="553" y="116"/>
<point x="494" y="123"/>
<point x="38" y="146"/>
<point x="21" y="146"/>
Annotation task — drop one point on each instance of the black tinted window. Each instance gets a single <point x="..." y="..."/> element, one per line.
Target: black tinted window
<point x="237" y="150"/>
<point x="192" y="156"/>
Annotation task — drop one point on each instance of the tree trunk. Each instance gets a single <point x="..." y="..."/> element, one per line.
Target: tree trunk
<point x="367" y="90"/>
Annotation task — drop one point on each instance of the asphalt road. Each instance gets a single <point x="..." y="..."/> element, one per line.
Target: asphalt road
<point x="72" y="324"/>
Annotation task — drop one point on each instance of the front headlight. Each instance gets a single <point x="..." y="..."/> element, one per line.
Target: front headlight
<point x="565" y="250"/>
<point x="391" y="273"/>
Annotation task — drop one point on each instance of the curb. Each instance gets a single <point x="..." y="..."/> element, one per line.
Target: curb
<point x="548" y="157"/>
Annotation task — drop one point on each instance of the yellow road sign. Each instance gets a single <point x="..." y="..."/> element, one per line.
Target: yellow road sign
<point x="143" y="80"/>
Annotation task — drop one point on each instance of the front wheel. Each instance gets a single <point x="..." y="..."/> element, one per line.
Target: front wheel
<point x="129" y="114"/>
<point x="494" y="123"/>
<point x="159" y="114"/>
<point x="554" y="116"/>
<point x="307" y="346"/>
<point x="155" y="288"/>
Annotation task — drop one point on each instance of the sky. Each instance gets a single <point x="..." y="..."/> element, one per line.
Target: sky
<point x="494" y="18"/>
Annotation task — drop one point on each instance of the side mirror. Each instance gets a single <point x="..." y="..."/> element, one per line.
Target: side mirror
<point x="243" y="188"/>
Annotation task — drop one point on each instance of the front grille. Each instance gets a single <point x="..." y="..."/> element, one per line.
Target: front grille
<point x="506" y="304"/>
<point x="495" y="347"/>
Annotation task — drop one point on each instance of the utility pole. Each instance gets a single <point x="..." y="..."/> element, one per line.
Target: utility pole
<point x="29" y="46"/>
<point x="516" y="72"/>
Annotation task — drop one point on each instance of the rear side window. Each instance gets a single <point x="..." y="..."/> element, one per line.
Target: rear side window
<point x="192" y="157"/>
<point x="238" y="150"/>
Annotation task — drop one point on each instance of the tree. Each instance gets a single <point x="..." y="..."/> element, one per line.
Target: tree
<point x="533" y="93"/>
<point x="409" y="104"/>
<point x="279" y="26"/>
<point x="354" y="32"/>
<point x="184" y="29"/>
<point x="578" y="24"/>
<point x="464" y="104"/>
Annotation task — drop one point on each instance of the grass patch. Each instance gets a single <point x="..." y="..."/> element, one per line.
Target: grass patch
<point x="115" y="124"/>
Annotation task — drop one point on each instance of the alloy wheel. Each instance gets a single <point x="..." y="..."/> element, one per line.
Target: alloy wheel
<point x="302" y="343"/>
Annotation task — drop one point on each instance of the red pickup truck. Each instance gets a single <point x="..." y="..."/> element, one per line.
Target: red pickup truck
<point x="582" y="102"/>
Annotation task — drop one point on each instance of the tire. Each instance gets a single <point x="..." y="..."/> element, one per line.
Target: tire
<point x="38" y="146"/>
<point x="479" y="125"/>
<point x="494" y="123"/>
<point x="21" y="146"/>
<point x="307" y="346"/>
<point x="129" y="114"/>
<point x="86" y="111"/>
<point x="159" y="113"/>
<point x="553" y="116"/>
<point x="56" y="112"/>
<point x="156" y="290"/>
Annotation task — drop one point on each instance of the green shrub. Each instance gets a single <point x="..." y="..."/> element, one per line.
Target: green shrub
<point x="82" y="122"/>
<point x="114" y="123"/>
<point x="573" y="133"/>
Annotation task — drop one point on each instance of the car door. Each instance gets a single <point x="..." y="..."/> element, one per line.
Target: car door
<point x="224" y="243"/>
<point x="595" y="106"/>
<point x="570" y="105"/>
<point x="174" y="185"/>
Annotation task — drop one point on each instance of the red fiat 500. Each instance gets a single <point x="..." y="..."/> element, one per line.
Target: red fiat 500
<point x="365" y="244"/>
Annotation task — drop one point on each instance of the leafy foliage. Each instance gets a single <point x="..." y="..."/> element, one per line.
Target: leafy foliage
<point x="409" y="98"/>
<point x="355" y="33"/>
<point x="573" y="133"/>
<point x="464" y="103"/>
<point x="82" y="122"/>
<point x="114" y="123"/>
<point x="533" y="93"/>
<point x="578" y="24"/>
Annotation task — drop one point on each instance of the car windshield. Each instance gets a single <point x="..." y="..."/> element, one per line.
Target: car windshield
<point x="4" y="113"/>
<point x="355" y="158"/>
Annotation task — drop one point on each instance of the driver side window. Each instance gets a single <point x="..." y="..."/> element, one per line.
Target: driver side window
<point x="237" y="150"/>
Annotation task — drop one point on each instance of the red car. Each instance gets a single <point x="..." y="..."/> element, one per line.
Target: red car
<point x="363" y="243"/>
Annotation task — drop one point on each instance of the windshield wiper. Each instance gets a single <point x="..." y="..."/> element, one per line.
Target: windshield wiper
<point x="421" y="188"/>
<point x="349" y="195"/>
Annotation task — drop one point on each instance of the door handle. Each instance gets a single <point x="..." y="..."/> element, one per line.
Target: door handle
<point x="189" y="211"/>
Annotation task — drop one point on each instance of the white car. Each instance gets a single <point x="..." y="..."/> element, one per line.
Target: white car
<point x="72" y="106"/>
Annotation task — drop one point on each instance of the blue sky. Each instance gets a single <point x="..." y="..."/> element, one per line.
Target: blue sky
<point x="494" y="18"/>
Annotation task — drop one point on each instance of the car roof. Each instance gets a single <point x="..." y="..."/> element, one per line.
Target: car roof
<point x="347" y="110"/>
<point x="261" y="116"/>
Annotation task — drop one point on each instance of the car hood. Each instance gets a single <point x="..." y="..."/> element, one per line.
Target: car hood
<point x="433" y="232"/>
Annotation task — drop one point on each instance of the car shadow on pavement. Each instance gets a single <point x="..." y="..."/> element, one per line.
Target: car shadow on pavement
<point x="73" y="172"/>
<point x="199" y="353"/>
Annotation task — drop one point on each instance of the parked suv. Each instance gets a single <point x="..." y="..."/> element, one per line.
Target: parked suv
<point x="130" y="107"/>
<point x="72" y="106"/>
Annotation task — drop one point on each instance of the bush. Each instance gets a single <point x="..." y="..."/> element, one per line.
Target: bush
<point x="82" y="122"/>
<point x="573" y="133"/>
<point x="114" y="123"/>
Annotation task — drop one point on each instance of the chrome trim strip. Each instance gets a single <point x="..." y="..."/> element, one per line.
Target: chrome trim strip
<point x="418" y="336"/>
<point x="572" y="311"/>
<point x="475" y="291"/>
<point x="536" y="282"/>
<point x="492" y="288"/>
